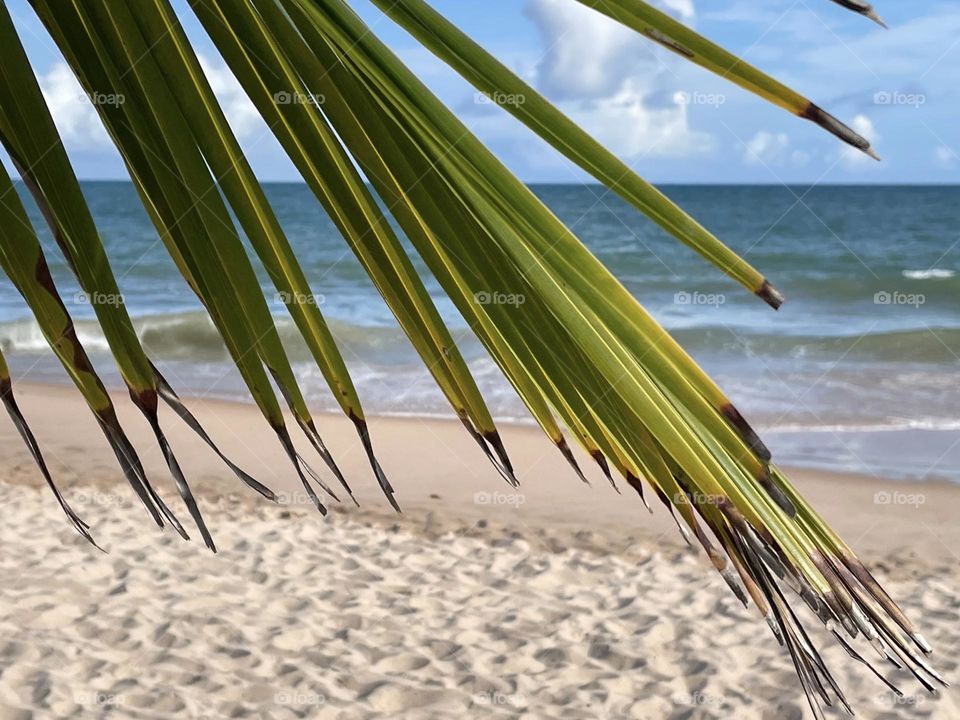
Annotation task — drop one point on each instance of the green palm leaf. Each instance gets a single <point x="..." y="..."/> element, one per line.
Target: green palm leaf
<point x="578" y="349"/>
<point x="23" y="261"/>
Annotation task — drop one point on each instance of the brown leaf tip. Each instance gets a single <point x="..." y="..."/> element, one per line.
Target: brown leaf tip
<point x="828" y="122"/>
<point x="770" y="295"/>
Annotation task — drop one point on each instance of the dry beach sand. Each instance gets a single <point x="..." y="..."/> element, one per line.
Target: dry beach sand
<point x="556" y="600"/>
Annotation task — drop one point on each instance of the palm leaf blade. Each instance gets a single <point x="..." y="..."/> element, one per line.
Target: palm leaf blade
<point x="746" y="495"/>
<point x="20" y="422"/>
<point x="494" y="79"/>
<point x="23" y="261"/>
<point x="313" y="147"/>
<point x="29" y="134"/>
<point x="676" y="37"/>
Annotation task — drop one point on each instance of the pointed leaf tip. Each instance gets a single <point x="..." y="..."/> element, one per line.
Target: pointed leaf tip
<point x="568" y="455"/>
<point x="364" y="432"/>
<point x="861" y="7"/>
<point x="831" y="124"/>
<point x="872" y="14"/>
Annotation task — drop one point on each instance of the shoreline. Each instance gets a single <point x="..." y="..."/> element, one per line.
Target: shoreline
<point x="904" y="449"/>
<point x="440" y="476"/>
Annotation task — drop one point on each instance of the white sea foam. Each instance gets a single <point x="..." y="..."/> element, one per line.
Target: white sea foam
<point x="932" y="274"/>
<point x="931" y="424"/>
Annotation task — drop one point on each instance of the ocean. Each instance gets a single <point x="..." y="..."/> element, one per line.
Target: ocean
<point x="859" y="371"/>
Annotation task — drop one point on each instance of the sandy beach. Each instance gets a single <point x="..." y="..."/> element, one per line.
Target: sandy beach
<point x="554" y="600"/>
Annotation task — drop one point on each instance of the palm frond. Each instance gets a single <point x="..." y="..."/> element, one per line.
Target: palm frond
<point x="579" y="350"/>
<point x="23" y="261"/>
<point x="30" y="138"/>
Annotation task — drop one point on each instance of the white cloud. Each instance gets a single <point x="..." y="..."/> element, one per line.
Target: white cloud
<point x="945" y="157"/>
<point x="240" y="111"/>
<point x="767" y="148"/>
<point x="629" y="125"/>
<point x="615" y="83"/>
<point x="73" y="113"/>
<point x="79" y="124"/>
<point x="773" y="150"/>
<point x="587" y="55"/>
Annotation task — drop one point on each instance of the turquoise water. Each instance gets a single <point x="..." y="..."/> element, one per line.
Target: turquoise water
<point x="858" y="371"/>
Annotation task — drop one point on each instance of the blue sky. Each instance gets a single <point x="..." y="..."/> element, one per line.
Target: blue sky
<point x="898" y="86"/>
